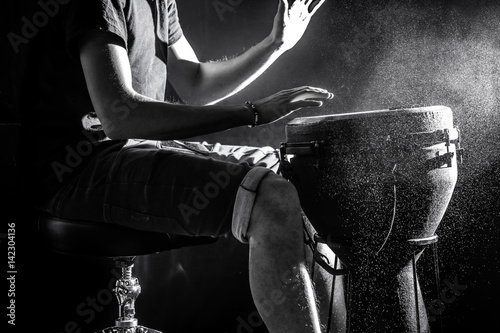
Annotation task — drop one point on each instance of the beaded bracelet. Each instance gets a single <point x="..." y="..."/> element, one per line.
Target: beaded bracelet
<point x="252" y="107"/>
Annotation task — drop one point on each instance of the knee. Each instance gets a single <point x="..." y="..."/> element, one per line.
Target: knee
<point x="277" y="205"/>
<point x="277" y="192"/>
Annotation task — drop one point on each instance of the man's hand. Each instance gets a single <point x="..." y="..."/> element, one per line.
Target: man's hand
<point x="282" y="103"/>
<point x="291" y="22"/>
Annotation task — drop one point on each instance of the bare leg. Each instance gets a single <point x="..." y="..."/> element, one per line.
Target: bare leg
<point x="281" y="287"/>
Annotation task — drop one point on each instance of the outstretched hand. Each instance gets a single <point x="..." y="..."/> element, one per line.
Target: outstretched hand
<point x="282" y="103"/>
<point x="291" y="22"/>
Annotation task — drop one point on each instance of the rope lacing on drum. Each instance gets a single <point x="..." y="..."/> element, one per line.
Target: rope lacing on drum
<point x="323" y="261"/>
<point x="393" y="210"/>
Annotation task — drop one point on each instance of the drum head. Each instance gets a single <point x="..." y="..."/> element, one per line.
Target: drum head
<point x="370" y="124"/>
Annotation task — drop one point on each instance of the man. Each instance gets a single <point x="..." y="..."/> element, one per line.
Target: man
<point x="110" y="58"/>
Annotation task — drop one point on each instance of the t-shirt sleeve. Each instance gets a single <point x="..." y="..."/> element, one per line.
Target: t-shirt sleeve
<point x="81" y="16"/>
<point x="174" y="28"/>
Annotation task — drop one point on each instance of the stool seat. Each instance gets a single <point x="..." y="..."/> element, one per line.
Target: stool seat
<point x="122" y="244"/>
<point x="108" y="240"/>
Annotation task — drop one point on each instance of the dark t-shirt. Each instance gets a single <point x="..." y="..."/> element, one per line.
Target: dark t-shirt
<point x="55" y="98"/>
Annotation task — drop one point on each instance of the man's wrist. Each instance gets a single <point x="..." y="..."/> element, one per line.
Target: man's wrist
<point x="275" y="45"/>
<point x="254" y="113"/>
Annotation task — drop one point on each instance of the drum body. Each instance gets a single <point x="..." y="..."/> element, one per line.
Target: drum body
<point x="375" y="185"/>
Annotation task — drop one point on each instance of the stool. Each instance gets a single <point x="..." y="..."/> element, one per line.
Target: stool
<point x="120" y="243"/>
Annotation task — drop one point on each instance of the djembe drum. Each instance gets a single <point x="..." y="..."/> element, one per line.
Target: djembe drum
<point x="375" y="186"/>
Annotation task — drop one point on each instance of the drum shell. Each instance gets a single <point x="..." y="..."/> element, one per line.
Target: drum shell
<point x="374" y="175"/>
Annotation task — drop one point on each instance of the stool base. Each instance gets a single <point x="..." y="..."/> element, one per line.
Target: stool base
<point x="136" y="329"/>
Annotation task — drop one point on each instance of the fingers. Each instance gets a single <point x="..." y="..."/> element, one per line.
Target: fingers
<point x="306" y="89"/>
<point x="303" y="97"/>
<point x="303" y="93"/>
<point x="282" y="8"/>
<point x="282" y="103"/>
<point x="283" y="5"/>
<point x="310" y="5"/>
<point x="316" y="6"/>
<point x="311" y="95"/>
<point x="304" y="104"/>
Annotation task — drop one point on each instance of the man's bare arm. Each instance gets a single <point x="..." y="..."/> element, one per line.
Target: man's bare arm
<point x="209" y="82"/>
<point x="109" y="80"/>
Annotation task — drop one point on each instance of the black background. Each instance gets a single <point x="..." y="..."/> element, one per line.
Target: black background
<point x="372" y="55"/>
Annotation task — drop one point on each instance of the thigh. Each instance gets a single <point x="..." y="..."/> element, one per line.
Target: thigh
<point x="267" y="157"/>
<point x="147" y="187"/>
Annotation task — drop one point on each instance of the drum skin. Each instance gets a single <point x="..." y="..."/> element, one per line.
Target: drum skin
<point x="373" y="183"/>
